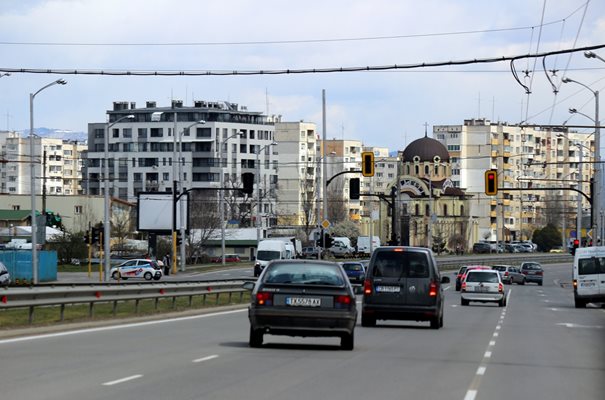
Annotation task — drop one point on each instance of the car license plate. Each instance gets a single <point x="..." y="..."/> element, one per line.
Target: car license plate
<point x="388" y="289"/>
<point x="303" y="301"/>
<point x="587" y="284"/>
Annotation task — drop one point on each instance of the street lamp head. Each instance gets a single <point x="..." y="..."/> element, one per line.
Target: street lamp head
<point x="566" y="80"/>
<point x="589" y="54"/>
<point x="572" y="110"/>
<point x="61" y="82"/>
<point x="201" y="121"/>
<point x="130" y="116"/>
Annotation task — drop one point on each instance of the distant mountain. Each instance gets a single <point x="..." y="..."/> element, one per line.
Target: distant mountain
<point x="58" y="134"/>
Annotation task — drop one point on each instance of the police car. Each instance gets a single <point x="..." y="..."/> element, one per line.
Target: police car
<point x="137" y="268"/>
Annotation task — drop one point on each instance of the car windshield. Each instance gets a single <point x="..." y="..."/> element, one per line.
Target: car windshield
<point x="352" y="267"/>
<point x="477" y="276"/>
<point x="304" y="274"/>
<point x="267" y="255"/>
<point x="591" y="266"/>
<point x="401" y="264"/>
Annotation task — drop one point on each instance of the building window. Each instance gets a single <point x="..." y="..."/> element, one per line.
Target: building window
<point x="426" y="170"/>
<point x="127" y="132"/>
<point x="417" y="209"/>
<point x="157" y="132"/>
<point x="427" y="210"/>
<point x="453" y="147"/>
<point x="445" y="210"/>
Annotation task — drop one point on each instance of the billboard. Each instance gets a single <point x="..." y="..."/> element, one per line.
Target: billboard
<point x="155" y="212"/>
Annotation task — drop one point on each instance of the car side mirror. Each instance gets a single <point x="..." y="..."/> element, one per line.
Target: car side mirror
<point x="248" y="285"/>
<point x="445" y="279"/>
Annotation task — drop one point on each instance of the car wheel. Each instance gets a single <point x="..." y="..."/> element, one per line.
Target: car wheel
<point x="367" y="321"/>
<point x="441" y="321"/>
<point x="148" y="276"/>
<point x="115" y="275"/>
<point x="347" y="342"/>
<point x="457" y="288"/>
<point x="434" y="322"/>
<point x="256" y="337"/>
<point x="579" y="303"/>
<point x="522" y="282"/>
<point x="463" y="302"/>
<point x="502" y="302"/>
<point x="540" y="283"/>
<point x="157" y="277"/>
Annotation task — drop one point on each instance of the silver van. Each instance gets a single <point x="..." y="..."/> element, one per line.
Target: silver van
<point x="403" y="283"/>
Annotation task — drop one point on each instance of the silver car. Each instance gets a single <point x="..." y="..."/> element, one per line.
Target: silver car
<point x="483" y="286"/>
<point x="510" y="274"/>
<point x="5" y="278"/>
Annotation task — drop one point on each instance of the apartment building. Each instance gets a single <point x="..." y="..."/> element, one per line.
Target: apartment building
<point x="57" y="162"/>
<point x="527" y="159"/>
<point x="299" y="174"/>
<point x="208" y="138"/>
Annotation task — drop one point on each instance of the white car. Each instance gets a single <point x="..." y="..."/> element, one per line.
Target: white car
<point x="5" y="278"/>
<point x="589" y="276"/>
<point x="483" y="286"/>
<point x="137" y="268"/>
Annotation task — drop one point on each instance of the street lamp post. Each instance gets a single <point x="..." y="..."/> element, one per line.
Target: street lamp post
<point x="596" y="195"/>
<point x="181" y="204"/>
<point x="106" y="224"/>
<point x="258" y="205"/>
<point x="222" y="196"/>
<point x="32" y="166"/>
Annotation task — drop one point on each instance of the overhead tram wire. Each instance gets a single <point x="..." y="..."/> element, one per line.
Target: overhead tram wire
<point x="491" y="60"/>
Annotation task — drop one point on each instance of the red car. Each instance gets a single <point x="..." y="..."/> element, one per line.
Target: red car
<point x="462" y="273"/>
<point x="230" y="258"/>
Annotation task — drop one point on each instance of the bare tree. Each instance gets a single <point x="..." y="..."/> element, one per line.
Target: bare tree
<point x="337" y="206"/>
<point x="121" y="226"/>
<point x="204" y="218"/>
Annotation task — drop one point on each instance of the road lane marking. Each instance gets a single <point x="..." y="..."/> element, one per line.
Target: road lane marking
<point x="492" y="342"/>
<point x="498" y="327"/>
<point x="128" y="378"/>
<point x="113" y="327"/>
<point x="488" y="354"/>
<point x="481" y="371"/>
<point x="496" y="334"/>
<point x="447" y="287"/>
<point x="470" y="395"/>
<point x="208" y="358"/>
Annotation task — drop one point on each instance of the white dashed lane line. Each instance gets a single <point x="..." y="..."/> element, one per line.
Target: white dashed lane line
<point x="128" y="378"/>
<point x="208" y="358"/>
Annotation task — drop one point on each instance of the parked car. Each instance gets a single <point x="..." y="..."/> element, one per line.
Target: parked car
<point x="5" y="278"/>
<point x="341" y="250"/>
<point x="230" y="258"/>
<point x="482" y="247"/>
<point x="310" y="252"/>
<point x="403" y="283"/>
<point x="302" y="298"/>
<point x="533" y="272"/>
<point x="462" y="273"/>
<point x="510" y="274"/>
<point x="482" y="286"/>
<point x="355" y="271"/>
<point x="137" y="268"/>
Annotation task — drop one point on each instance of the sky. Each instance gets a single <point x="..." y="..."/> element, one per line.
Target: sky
<point x="380" y="108"/>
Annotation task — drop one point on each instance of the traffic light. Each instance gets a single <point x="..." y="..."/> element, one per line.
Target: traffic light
<point x="354" y="188"/>
<point x="248" y="181"/>
<point x="87" y="238"/>
<point x="179" y="238"/>
<point x="328" y="241"/>
<point x="576" y="244"/>
<point x="491" y="182"/>
<point x="367" y="163"/>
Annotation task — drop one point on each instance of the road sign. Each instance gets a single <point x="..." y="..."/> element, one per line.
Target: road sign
<point x="589" y="233"/>
<point x="325" y="223"/>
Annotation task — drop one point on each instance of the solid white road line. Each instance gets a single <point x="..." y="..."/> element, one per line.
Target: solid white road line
<point x="114" y="327"/>
<point x="128" y="378"/>
<point x="199" y="360"/>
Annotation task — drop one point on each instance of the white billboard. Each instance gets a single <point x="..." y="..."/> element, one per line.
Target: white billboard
<point x="155" y="211"/>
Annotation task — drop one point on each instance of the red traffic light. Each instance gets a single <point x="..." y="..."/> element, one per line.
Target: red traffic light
<point x="576" y="242"/>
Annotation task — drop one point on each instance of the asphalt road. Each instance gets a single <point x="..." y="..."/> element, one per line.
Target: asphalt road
<point x="538" y="347"/>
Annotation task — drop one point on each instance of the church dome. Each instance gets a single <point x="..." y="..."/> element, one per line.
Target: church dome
<point x="426" y="149"/>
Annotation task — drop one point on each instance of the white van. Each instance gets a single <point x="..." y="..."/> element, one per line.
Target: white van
<point x="269" y="250"/>
<point x="363" y="245"/>
<point x="589" y="276"/>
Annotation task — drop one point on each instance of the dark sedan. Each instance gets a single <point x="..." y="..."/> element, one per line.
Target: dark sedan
<point x="302" y="298"/>
<point x="481" y="248"/>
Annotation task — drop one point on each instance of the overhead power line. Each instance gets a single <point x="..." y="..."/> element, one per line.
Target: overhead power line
<point x="293" y="71"/>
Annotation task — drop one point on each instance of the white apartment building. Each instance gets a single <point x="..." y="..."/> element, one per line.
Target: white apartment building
<point x="299" y="173"/>
<point x="530" y="159"/>
<point x="217" y="138"/>
<point x="58" y="165"/>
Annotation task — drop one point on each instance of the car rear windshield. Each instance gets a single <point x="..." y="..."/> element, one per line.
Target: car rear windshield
<point x="591" y="266"/>
<point x="499" y="268"/>
<point x="477" y="276"/>
<point x="352" y="267"/>
<point x="532" y="266"/>
<point x="401" y="264"/>
<point x="305" y="274"/>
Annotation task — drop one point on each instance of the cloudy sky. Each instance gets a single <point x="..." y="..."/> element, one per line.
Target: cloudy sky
<point x="387" y="108"/>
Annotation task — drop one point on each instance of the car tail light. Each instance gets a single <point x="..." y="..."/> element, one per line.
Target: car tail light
<point x="500" y="288"/>
<point x="264" y="298"/>
<point x="433" y="288"/>
<point x="367" y="287"/>
<point x="506" y="273"/>
<point x="343" y="301"/>
<point x="463" y="287"/>
<point x="575" y="284"/>
<point x="540" y="273"/>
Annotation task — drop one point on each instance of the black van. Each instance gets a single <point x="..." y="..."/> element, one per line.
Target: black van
<point x="403" y="283"/>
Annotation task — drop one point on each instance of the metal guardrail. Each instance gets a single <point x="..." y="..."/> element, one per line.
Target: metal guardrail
<point x="454" y="262"/>
<point x="93" y="294"/>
